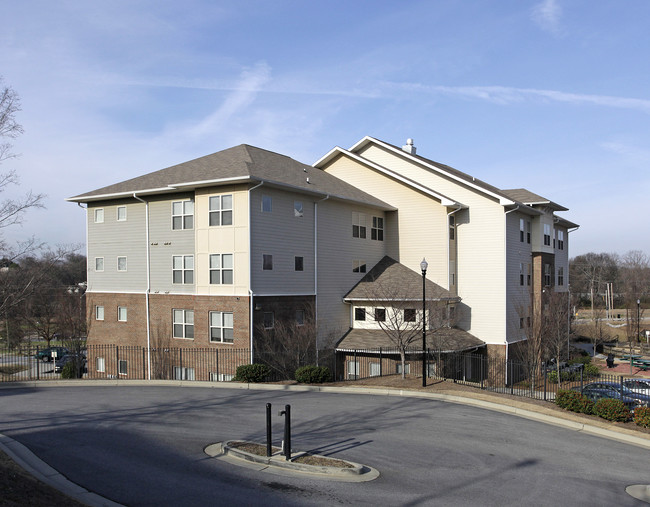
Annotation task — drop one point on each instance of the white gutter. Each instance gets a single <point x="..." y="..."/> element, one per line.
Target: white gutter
<point x="250" y="269"/>
<point x="146" y="294"/>
<point x="316" y="269"/>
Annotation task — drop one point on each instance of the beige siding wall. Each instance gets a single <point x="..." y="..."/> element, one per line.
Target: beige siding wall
<point x="112" y="239"/>
<point x="284" y="236"/>
<point x="337" y="250"/>
<point x="227" y="239"/>
<point x="519" y="257"/>
<point x="422" y="226"/>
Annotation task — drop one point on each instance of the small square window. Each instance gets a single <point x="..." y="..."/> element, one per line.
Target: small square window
<point x="380" y="314"/>
<point x="99" y="216"/>
<point x="221" y="327"/>
<point x="298" y="263"/>
<point x="409" y="315"/>
<point x="182" y="215"/>
<point x="183" y="323"/>
<point x="99" y="264"/>
<point x="99" y="313"/>
<point x="267" y="262"/>
<point x="297" y="209"/>
<point x="269" y="320"/>
<point x="221" y="210"/>
<point x="267" y="204"/>
<point x="121" y="213"/>
<point x="358" y="266"/>
<point x="360" y="314"/>
<point x="121" y="263"/>
<point x="121" y="313"/>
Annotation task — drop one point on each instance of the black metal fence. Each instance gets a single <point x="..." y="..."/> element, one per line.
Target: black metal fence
<point x="220" y="365"/>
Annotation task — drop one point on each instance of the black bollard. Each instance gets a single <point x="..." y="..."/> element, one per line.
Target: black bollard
<point x="287" y="431"/>
<point x="268" y="430"/>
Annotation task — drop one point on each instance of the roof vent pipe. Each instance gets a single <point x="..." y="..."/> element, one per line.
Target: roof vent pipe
<point x="408" y="147"/>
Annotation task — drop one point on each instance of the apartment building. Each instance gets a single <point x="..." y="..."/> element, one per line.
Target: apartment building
<point x="203" y="253"/>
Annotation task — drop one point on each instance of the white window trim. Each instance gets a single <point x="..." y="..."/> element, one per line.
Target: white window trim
<point x="125" y="264"/>
<point x="182" y="215"/>
<point x="119" y="312"/>
<point x="184" y="324"/>
<point x="103" y="265"/>
<point x="117" y="212"/>
<point x="96" y="210"/>
<point x="221" y="269"/>
<point x="183" y="269"/>
<point x="222" y="327"/>
<point x="221" y="210"/>
<point x="97" y="307"/>
<point x="100" y="364"/>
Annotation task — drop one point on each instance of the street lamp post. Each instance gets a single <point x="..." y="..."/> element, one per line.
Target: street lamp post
<point x="423" y="267"/>
<point x="638" y="319"/>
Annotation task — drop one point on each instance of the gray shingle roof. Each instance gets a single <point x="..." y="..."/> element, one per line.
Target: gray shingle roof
<point x="388" y="278"/>
<point x="243" y="163"/>
<point x="445" y="340"/>
<point x="527" y="197"/>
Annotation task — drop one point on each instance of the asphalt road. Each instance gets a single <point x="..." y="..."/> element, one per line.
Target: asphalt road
<point x="143" y="445"/>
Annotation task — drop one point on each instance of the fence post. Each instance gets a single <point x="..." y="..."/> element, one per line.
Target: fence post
<point x="356" y="365"/>
<point x="512" y="384"/>
<point x="117" y="361"/>
<point x="144" y="375"/>
<point x="545" y="388"/>
<point x="217" y="367"/>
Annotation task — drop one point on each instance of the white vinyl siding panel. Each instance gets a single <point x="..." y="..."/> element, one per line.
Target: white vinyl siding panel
<point x="480" y="235"/>
<point x="165" y="243"/>
<point x="284" y="236"/>
<point x="112" y="239"/>
<point x="336" y="251"/>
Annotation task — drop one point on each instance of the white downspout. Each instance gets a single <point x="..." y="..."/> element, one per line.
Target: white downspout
<point x="505" y="278"/>
<point x="316" y="269"/>
<point x="146" y="294"/>
<point x="250" y="269"/>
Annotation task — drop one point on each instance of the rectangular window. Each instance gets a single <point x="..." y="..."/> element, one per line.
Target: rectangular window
<point x="522" y="230"/>
<point x="560" y="276"/>
<point x="300" y="317"/>
<point x="554" y="241"/>
<point x="521" y="273"/>
<point x="375" y="369"/>
<point x="220" y="210"/>
<point x="181" y="373"/>
<point x="377" y="230"/>
<point x="121" y="313"/>
<point x="267" y="262"/>
<point x="297" y="209"/>
<point x="358" y="225"/>
<point x="267" y="204"/>
<point x="409" y="315"/>
<point x="99" y="313"/>
<point x="183" y="323"/>
<point x="269" y="320"/>
<point x="100" y="364"/>
<point x="407" y="368"/>
<point x="380" y="314"/>
<point x="452" y="273"/>
<point x="298" y="264"/>
<point x="547" y="275"/>
<point x="221" y="269"/>
<point x="528" y="232"/>
<point x="452" y="228"/>
<point x="121" y="213"/>
<point x="358" y="266"/>
<point x="353" y="370"/>
<point x="122" y="367"/>
<point x="121" y="263"/>
<point x="99" y="264"/>
<point x="560" y="240"/>
<point x="528" y="275"/>
<point x="547" y="235"/>
<point x="220" y="377"/>
<point x="182" y="215"/>
<point x="183" y="269"/>
<point x="222" y="327"/>
<point x="360" y="314"/>
<point x="99" y="216"/>
<point x="521" y="322"/>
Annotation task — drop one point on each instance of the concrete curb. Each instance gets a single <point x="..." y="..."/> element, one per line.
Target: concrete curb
<point x="48" y="475"/>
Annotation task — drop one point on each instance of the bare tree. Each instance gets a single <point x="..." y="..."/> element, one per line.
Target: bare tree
<point x="556" y="325"/>
<point x="289" y="344"/>
<point x="590" y="272"/>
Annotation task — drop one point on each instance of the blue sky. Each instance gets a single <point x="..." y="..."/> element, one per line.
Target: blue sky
<point x="551" y="95"/>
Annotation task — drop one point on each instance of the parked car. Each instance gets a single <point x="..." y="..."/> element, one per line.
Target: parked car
<point x="46" y="354"/>
<point x="79" y="360"/>
<point x="638" y="385"/>
<point x="598" y="390"/>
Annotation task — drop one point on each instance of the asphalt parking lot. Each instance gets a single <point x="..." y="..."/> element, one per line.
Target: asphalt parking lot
<point x="143" y="445"/>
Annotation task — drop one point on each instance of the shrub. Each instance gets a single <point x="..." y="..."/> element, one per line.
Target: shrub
<point x="313" y="374"/>
<point x="70" y="370"/>
<point x="591" y="370"/>
<point x="574" y="401"/>
<point x="252" y="373"/>
<point x="582" y="359"/>
<point x="612" y="410"/>
<point x="565" y="375"/>
<point x="642" y="417"/>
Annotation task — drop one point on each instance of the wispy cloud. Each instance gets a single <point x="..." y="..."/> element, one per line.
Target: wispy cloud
<point x="547" y="15"/>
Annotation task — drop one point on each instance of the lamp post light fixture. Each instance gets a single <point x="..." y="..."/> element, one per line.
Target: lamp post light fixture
<point x="423" y="266"/>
